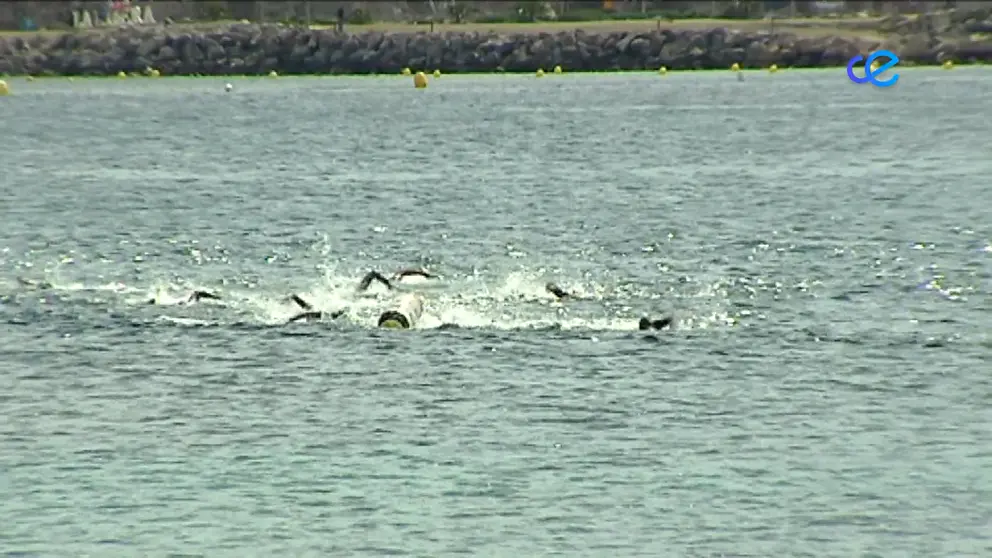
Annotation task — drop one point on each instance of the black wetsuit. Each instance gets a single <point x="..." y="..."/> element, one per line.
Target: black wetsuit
<point x="413" y="272"/>
<point x="195" y="296"/>
<point x="645" y="323"/>
<point x="559" y="292"/>
<point x="366" y="281"/>
<point x="309" y="313"/>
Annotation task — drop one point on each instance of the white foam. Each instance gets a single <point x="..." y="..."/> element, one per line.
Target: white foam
<point x="517" y="300"/>
<point x="413" y="280"/>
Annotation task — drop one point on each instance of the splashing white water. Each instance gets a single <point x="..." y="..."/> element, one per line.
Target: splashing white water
<point x="518" y="300"/>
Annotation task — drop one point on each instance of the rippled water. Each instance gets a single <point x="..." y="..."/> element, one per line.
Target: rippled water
<point x="825" y="248"/>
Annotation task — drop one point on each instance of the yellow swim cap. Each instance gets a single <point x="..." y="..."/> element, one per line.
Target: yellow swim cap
<point x="394" y="320"/>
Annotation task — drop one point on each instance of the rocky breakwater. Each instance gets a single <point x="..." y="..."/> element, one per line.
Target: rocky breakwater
<point x="259" y="49"/>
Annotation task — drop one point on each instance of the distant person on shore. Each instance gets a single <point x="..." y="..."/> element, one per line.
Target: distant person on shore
<point x="341" y="20"/>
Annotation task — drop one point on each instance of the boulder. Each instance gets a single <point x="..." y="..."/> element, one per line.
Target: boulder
<point x="259" y="48"/>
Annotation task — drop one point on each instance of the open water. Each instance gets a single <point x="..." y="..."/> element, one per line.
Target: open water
<point x="824" y="246"/>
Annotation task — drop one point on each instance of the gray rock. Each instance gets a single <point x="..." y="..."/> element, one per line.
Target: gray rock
<point x="257" y="49"/>
<point x="979" y="27"/>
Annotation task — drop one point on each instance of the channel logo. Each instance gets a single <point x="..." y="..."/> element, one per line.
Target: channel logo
<point x="871" y="75"/>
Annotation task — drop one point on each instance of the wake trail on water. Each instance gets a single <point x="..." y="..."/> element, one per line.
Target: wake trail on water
<point x="514" y="301"/>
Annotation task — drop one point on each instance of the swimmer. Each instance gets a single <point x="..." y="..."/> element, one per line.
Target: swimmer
<point x="662" y="323"/>
<point x="309" y="313"/>
<point x="559" y="292"/>
<point x="373" y="275"/>
<point x="194" y="297"/>
<point x="32" y="284"/>
<point x="411" y="272"/>
<point x="644" y="323"/>
<point x="408" y="309"/>
<point x="404" y="314"/>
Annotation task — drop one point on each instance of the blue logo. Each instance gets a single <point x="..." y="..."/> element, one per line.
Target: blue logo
<point x="870" y="75"/>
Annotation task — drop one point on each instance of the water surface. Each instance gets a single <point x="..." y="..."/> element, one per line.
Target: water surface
<point x="824" y="246"/>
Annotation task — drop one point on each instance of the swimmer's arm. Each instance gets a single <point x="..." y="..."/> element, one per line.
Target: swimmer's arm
<point x="366" y="281"/>
<point x="300" y="302"/>
<point x="196" y="296"/>
<point x="316" y="314"/>
<point x="559" y="292"/>
<point x="304" y="316"/>
<point x="414" y="272"/>
<point x="309" y="311"/>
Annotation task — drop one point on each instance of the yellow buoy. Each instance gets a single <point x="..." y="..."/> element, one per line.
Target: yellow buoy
<point x="30" y="78"/>
<point x="557" y="69"/>
<point x="4" y="88"/>
<point x="406" y="72"/>
<point x="121" y="74"/>
<point x="662" y="70"/>
<point x="72" y="78"/>
<point x="156" y="73"/>
<point x="540" y="72"/>
<point x="735" y="67"/>
<point x="273" y="74"/>
<point x="948" y="64"/>
<point x="773" y="68"/>
<point x="437" y="74"/>
<point x="420" y="80"/>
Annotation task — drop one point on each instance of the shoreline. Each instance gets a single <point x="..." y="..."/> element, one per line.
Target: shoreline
<point x="260" y="49"/>
<point x="862" y="27"/>
<point x="547" y="73"/>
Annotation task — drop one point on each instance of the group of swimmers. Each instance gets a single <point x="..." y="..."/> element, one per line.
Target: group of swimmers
<point x="403" y="315"/>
